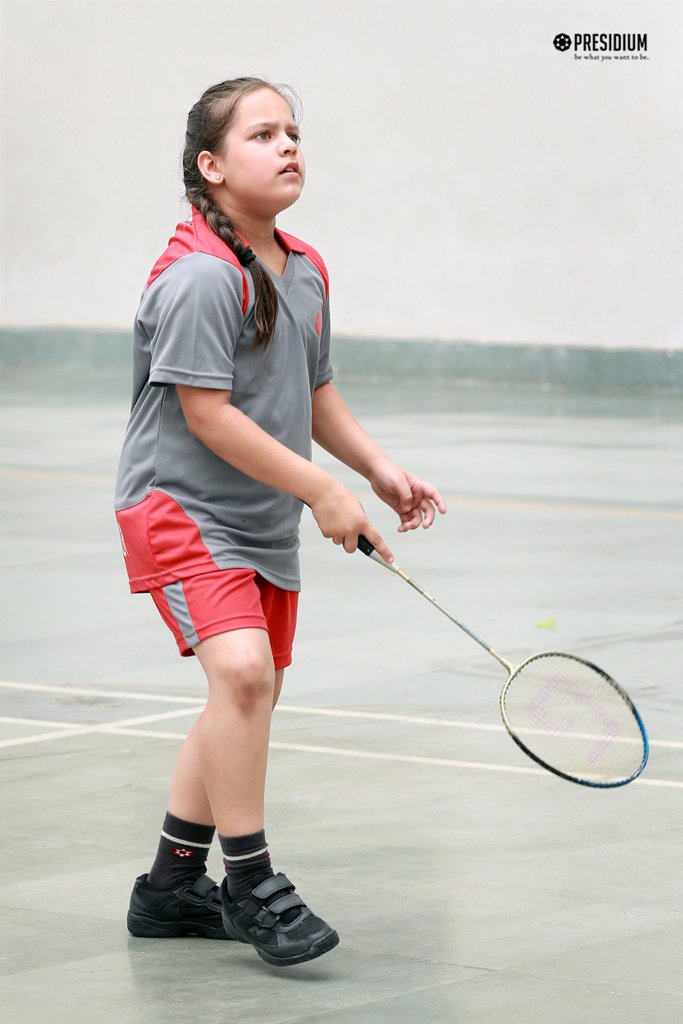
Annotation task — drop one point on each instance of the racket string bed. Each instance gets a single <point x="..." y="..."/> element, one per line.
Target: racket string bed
<point x="574" y="719"/>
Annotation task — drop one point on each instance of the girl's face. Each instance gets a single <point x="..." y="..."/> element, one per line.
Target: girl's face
<point x="260" y="162"/>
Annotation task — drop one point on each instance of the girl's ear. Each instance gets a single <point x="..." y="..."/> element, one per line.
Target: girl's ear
<point x="208" y="168"/>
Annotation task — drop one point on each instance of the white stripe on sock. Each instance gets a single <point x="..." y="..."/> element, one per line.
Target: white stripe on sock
<point x="245" y="856"/>
<point x="186" y="842"/>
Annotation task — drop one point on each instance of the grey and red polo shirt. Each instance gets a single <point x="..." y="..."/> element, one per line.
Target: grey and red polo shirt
<point x="181" y="509"/>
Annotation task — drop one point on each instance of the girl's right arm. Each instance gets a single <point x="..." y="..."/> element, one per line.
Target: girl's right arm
<point x="240" y="441"/>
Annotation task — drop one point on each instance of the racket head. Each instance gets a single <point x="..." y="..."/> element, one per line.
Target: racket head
<point x="569" y="716"/>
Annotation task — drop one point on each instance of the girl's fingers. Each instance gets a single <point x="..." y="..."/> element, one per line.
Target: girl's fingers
<point x="441" y="505"/>
<point x="429" y="509"/>
<point x="378" y="544"/>
<point x="424" y="514"/>
<point x="437" y="499"/>
<point x="415" y="518"/>
<point x="431" y="494"/>
<point x="410" y="520"/>
<point x="426" y="490"/>
<point x="350" y="542"/>
<point x="428" y="513"/>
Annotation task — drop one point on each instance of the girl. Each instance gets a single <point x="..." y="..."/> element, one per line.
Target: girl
<point x="232" y="377"/>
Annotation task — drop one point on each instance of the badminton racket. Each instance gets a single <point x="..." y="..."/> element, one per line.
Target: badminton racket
<point x="566" y="714"/>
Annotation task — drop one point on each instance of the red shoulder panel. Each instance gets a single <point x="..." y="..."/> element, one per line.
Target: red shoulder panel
<point x="293" y="244"/>
<point x="198" y="237"/>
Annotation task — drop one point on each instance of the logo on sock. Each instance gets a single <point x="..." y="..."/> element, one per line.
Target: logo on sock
<point x="182" y="851"/>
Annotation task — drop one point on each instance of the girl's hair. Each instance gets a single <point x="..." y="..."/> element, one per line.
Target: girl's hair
<point x="207" y="124"/>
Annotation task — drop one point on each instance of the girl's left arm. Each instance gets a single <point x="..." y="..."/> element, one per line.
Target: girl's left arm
<point x="337" y="430"/>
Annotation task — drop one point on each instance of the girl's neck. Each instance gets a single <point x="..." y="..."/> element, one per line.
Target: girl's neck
<point x="259" y="232"/>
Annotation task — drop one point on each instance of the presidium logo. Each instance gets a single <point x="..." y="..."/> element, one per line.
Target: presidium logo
<point x="604" y="45"/>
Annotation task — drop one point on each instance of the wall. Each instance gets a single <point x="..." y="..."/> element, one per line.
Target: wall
<point x="466" y="180"/>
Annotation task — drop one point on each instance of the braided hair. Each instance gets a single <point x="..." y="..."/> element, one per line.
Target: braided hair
<point x="207" y="124"/>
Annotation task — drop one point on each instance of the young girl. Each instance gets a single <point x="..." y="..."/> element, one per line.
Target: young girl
<point x="232" y="377"/>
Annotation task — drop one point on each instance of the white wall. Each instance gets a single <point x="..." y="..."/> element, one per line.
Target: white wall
<point x="465" y="179"/>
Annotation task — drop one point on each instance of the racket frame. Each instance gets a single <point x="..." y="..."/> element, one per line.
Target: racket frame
<point x="513" y="670"/>
<point x="581" y="781"/>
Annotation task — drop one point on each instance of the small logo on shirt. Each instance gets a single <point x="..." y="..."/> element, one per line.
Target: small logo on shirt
<point x="182" y="851"/>
<point x="319" y="324"/>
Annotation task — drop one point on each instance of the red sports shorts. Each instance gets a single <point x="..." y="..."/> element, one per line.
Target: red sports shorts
<point x="225" y="599"/>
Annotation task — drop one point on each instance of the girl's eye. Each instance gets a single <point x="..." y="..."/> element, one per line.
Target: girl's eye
<point x="266" y="134"/>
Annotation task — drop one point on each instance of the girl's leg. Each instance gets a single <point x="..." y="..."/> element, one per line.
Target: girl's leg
<point x="258" y="906"/>
<point x="220" y="775"/>
<point x="189" y="820"/>
<point x="234" y="728"/>
<point x="189" y="799"/>
<point x="279" y="677"/>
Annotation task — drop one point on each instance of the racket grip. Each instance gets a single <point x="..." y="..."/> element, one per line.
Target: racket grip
<point x="364" y="545"/>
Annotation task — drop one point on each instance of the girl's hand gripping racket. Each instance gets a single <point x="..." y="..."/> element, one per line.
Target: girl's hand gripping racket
<point x="565" y="713"/>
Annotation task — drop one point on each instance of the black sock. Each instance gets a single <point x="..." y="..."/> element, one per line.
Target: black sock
<point x="247" y="862"/>
<point x="182" y="853"/>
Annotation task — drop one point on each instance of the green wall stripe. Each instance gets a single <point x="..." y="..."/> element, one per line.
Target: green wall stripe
<point x="566" y="367"/>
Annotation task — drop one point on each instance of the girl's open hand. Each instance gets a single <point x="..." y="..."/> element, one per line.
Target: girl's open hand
<point x="415" y="501"/>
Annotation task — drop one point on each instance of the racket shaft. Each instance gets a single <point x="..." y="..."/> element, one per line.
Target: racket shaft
<point x="371" y="553"/>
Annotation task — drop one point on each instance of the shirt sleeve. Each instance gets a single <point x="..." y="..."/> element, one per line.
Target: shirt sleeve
<point x="325" y="372"/>
<point x="193" y="317"/>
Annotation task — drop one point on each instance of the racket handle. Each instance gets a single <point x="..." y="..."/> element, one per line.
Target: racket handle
<point x="364" y="545"/>
<point x="369" y="549"/>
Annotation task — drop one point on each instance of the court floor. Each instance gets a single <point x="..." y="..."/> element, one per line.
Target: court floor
<point x="465" y="884"/>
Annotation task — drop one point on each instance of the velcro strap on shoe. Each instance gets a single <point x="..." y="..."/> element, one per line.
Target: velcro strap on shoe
<point x="265" y="918"/>
<point x="271" y="885"/>
<point x="286" y="902"/>
<point x="203" y="886"/>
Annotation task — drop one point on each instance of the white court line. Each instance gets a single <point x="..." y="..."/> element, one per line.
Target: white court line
<point x="124" y="728"/>
<point x="380" y="716"/>
<point x="373" y="755"/>
<point x="454" y="723"/>
<point x="375" y="716"/>
<point x="83" y="730"/>
<point x="156" y="718"/>
<point x="446" y="762"/>
<point x="35" y="721"/>
<point x="83" y="692"/>
<point x="40" y="737"/>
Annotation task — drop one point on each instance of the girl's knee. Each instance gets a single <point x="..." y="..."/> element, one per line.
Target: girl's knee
<point x="246" y="678"/>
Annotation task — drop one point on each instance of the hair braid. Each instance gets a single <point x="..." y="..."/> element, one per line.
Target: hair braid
<point x="265" y="294"/>
<point x="207" y="124"/>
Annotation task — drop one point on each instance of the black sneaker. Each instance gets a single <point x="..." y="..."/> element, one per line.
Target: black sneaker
<point x="192" y="909"/>
<point x="258" y="920"/>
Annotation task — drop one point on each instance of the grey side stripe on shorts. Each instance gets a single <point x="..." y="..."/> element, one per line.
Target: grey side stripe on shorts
<point x="175" y="596"/>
